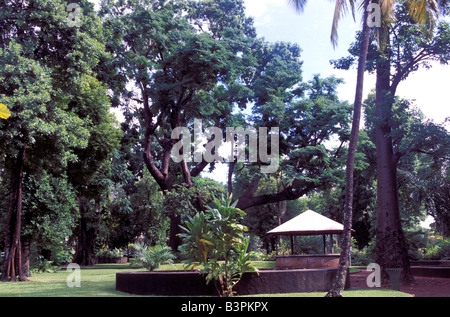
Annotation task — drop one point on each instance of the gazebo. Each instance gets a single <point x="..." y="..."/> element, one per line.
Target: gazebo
<point x="306" y="224"/>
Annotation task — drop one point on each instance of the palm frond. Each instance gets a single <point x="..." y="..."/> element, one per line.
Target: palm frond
<point x="425" y="12"/>
<point x="298" y="5"/>
<point x="340" y="9"/>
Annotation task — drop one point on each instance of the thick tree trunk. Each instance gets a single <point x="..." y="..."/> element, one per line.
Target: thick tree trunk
<point x="84" y="254"/>
<point x="391" y="250"/>
<point x="12" y="266"/>
<point x="174" y="239"/>
<point x="341" y="275"/>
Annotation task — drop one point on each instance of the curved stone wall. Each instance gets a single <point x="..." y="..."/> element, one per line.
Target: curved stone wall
<point x="175" y="283"/>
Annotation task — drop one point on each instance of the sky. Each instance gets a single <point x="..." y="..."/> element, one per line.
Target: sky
<point x="275" y="20"/>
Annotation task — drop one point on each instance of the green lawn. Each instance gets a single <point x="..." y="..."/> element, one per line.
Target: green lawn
<point x="101" y="280"/>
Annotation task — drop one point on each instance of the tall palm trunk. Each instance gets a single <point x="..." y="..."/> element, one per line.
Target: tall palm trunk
<point x="391" y="250"/>
<point x="341" y="275"/>
<point x="12" y="267"/>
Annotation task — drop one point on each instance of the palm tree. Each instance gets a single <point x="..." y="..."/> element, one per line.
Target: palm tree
<point x="423" y="11"/>
<point x="341" y="8"/>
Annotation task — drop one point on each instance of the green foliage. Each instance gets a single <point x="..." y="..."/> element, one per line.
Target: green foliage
<point x="41" y="265"/>
<point x="181" y="200"/>
<point x="152" y="257"/>
<point x="438" y="249"/>
<point x="215" y="239"/>
<point x="109" y="253"/>
<point x="363" y="256"/>
<point x="136" y="209"/>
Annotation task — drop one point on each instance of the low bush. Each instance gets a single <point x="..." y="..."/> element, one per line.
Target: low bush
<point x="153" y="257"/>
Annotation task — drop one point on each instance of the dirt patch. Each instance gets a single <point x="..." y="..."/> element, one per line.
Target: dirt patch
<point x="423" y="287"/>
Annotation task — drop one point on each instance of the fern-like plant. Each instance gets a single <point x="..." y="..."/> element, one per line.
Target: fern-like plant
<point x="153" y="257"/>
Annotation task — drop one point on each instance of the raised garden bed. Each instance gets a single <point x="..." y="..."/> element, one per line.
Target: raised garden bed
<point x="181" y="283"/>
<point x="431" y="271"/>
<point x="440" y="263"/>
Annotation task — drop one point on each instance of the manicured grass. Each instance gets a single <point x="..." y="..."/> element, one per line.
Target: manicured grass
<point x="94" y="282"/>
<point x="100" y="281"/>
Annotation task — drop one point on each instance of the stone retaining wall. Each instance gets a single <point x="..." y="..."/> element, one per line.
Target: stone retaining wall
<point x="176" y="283"/>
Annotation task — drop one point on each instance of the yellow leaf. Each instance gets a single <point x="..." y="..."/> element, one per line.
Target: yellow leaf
<point x="4" y="112"/>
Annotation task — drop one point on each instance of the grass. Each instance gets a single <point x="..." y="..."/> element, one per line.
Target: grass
<point x="94" y="283"/>
<point x="100" y="281"/>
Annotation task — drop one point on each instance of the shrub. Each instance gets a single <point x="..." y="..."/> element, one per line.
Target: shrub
<point x="109" y="254"/>
<point x="152" y="257"/>
<point x="215" y="239"/>
<point x="41" y="265"/>
<point x="364" y="256"/>
<point x="440" y="249"/>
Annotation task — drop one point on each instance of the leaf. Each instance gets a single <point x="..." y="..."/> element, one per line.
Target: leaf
<point x="4" y="112"/>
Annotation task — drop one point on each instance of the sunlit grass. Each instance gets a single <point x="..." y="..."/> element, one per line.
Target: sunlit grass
<point x="101" y="282"/>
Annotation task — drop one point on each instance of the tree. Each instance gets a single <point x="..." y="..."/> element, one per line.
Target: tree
<point x="420" y="11"/>
<point x="421" y="148"/>
<point x="48" y="218"/>
<point x="34" y="116"/>
<point x="42" y="58"/>
<point x="184" y="66"/>
<point x="396" y="43"/>
<point x="91" y="174"/>
<point x="308" y="114"/>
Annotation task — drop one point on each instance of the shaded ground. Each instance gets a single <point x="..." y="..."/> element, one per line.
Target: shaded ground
<point x="424" y="286"/>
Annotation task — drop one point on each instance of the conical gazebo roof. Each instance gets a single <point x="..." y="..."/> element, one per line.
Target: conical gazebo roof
<point x="308" y="223"/>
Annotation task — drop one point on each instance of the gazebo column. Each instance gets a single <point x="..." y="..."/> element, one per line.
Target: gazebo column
<point x="331" y="243"/>
<point x="324" y="244"/>
<point x="292" y="245"/>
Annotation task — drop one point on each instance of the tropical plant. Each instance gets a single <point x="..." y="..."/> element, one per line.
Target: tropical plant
<point x="215" y="240"/>
<point x="153" y="257"/>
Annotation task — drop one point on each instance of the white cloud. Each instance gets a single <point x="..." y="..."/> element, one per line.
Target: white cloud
<point x="260" y="10"/>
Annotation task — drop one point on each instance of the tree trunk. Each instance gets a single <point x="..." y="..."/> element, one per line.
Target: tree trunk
<point x="341" y="275"/>
<point x="174" y="240"/>
<point x="84" y="254"/>
<point x="12" y="267"/>
<point x="391" y="250"/>
<point x="26" y="259"/>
